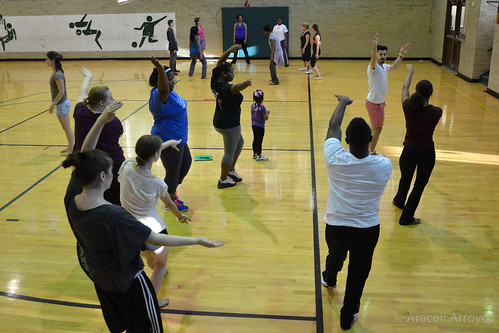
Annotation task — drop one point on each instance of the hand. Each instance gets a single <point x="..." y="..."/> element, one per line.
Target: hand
<point x="86" y="72"/>
<point x="376" y="37"/>
<point x="285" y="45"/>
<point x="245" y="42"/>
<point x="174" y="51"/>
<point x="302" y="51"/>
<point x="345" y="99"/>
<point x="171" y="143"/>
<point x="233" y="41"/>
<point x="184" y="219"/>
<point x="316" y="56"/>
<point x="207" y="243"/>
<point x="410" y="68"/>
<point x="268" y="112"/>
<point x="235" y="47"/>
<point x="248" y="82"/>
<point x="405" y="49"/>
<point x="51" y="108"/>
<point x="200" y="56"/>
<point x="156" y="63"/>
<point x="110" y="111"/>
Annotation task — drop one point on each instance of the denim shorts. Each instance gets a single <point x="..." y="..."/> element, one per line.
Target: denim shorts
<point x="63" y="108"/>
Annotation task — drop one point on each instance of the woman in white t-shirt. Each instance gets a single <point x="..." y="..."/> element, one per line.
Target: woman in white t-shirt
<point x="139" y="194"/>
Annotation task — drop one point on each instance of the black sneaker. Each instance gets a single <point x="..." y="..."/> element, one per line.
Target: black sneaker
<point x="226" y="183"/>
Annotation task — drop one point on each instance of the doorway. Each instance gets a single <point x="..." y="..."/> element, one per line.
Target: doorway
<point x="454" y="33"/>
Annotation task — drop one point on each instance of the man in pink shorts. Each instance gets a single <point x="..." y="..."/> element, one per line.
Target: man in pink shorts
<point x="377" y="74"/>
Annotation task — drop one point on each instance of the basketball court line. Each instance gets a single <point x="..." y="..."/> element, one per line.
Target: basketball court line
<point x="169" y="311"/>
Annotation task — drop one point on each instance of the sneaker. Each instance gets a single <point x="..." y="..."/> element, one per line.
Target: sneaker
<point x="178" y="199"/>
<point x="310" y="71"/>
<point x="262" y="158"/>
<point x="226" y="183"/>
<point x="255" y="156"/>
<point x="349" y="326"/>
<point x="180" y="206"/>
<point x="324" y="283"/>
<point x="303" y="69"/>
<point x="235" y="176"/>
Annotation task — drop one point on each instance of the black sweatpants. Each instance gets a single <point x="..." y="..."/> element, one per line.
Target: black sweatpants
<point x="422" y="158"/>
<point x="135" y="311"/>
<point x="258" y="133"/>
<point x="360" y="242"/>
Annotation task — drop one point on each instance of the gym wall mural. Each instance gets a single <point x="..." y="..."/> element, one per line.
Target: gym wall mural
<point x="85" y="32"/>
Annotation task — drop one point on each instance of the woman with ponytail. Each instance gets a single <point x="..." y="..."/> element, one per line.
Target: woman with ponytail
<point x="109" y="238"/>
<point x="89" y="106"/>
<point x="227" y="116"/>
<point x="60" y="101"/>
<point x="418" y="154"/>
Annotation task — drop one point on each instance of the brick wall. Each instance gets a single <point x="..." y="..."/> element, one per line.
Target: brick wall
<point x="347" y="26"/>
<point x="479" y="28"/>
<point x="494" y="67"/>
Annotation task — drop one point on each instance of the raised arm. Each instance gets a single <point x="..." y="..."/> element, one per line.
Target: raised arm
<point x="407" y="83"/>
<point x="169" y="240"/>
<point x="85" y="85"/>
<point x="403" y="51"/>
<point x="227" y="53"/>
<point x="106" y="116"/>
<point x="374" y="52"/>
<point x="334" y="130"/>
<point x="163" y="85"/>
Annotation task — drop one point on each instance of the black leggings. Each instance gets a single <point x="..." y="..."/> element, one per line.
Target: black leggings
<point x="177" y="165"/>
<point x="422" y="158"/>
<point x="258" y="133"/>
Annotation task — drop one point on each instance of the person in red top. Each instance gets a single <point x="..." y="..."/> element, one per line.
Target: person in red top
<point x="421" y="118"/>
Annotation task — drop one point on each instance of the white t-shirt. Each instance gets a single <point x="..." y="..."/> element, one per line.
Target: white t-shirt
<point x="139" y="194"/>
<point x="378" y="83"/>
<point x="280" y="30"/>
<point x="355" y="186"/>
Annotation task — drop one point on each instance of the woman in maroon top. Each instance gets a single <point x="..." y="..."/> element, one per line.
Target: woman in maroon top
<point x="421" y="118"/>
<point x="88" y="108"/>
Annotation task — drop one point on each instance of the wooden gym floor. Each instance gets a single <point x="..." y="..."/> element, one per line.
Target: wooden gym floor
<point x="440" y="276"/>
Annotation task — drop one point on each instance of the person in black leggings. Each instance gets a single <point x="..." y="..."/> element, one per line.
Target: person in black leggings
<point x="240" y="37"/>
<point x="418" y="154"/>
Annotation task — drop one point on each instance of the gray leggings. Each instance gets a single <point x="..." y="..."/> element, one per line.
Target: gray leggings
<point x="233" y="143"/>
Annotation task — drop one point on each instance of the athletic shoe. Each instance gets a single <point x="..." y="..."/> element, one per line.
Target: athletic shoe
<point x="235" y="176"/>
<point x="180" y="204"/>
<point x="255" y="156"/>
<point x="303" y="69"/>
<point x="324" y="283"/>
<point x="310" y="71"/>
<point x="273" y="83"/>
<point x="349" y="326"/>
<point x="226" y="183"/>
<point x="178" y="199"/>
<point x="262" y="158"/>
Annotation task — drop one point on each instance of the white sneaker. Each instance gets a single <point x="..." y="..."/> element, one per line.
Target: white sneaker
<point x="262" y="158"/>
<point x="303" y="69"/>
<point x="310" y="71"/>
<point x="255" y="156"/>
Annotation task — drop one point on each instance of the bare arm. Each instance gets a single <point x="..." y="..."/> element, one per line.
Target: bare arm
<point x="272" y="46"/>
<point x="163" y="86"/>
<point x="240" y="86"/>
<point x="85" y="85"/>
<point x="403" y="51"/>
<point x="318" y="42"/>
<point x="334" y="130"/>
<point x="227" y="53"/>
<point x="374" y="56"/>
<point x="198" y="42"/>
<point x="307" y="40"/>
<point x="173" y="208"/>
<point x="245" y="33"/>
<point x="168" y="240"/>
<point x="60" y="88"/>
<point x="407" y="83"/>
<point x="234" y="36"/>
<point x="106" y="116"/>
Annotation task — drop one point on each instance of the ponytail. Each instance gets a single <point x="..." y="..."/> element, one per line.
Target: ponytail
<point x="424" y="89"/>
<point x="146" y="147"/>
<point x="95" y="95"/>
<point x="57" y="57"/>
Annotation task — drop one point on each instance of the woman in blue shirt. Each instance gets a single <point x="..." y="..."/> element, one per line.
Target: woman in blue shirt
<point x="170" y="123"/>
<point x="196" y="51"/>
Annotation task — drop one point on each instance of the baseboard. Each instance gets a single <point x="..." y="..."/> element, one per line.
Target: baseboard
<point x="467" y="79"/>
<point x="492" y="93"/>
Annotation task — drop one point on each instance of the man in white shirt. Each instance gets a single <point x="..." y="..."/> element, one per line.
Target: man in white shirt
<point x="282" y="32"/>
<point x="357" y="180"/>
<point x="377" y="73"/>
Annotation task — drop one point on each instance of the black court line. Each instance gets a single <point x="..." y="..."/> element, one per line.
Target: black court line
<point x="36" y="115"/>
<point x="179" y="312"/>
<point x="28" y="189"/>
<point x="315" y="221"/>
